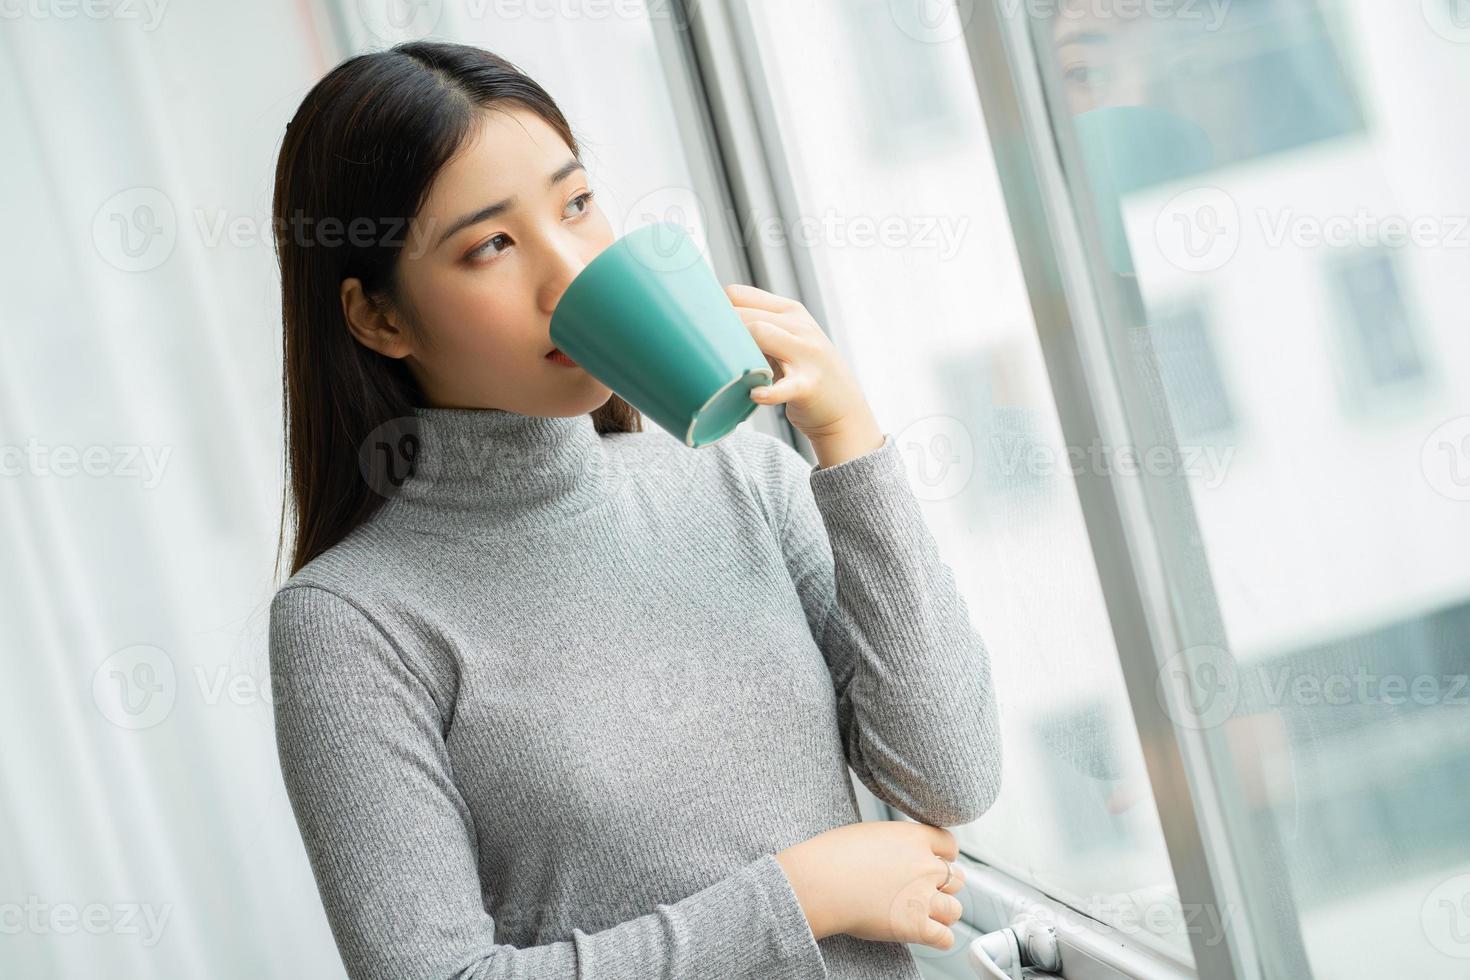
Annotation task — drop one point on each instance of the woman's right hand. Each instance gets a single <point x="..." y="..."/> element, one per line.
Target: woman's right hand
<point x="878" y="880"/>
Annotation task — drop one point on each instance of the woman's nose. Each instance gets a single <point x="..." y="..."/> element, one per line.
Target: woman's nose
<point x="563" y="265"/>
<point x="566" y="258"/>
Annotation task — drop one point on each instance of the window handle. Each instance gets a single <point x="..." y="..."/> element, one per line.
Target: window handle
<point x="1027" y="941"/>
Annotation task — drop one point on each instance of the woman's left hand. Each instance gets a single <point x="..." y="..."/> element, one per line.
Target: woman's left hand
<point x="821" y="395"/>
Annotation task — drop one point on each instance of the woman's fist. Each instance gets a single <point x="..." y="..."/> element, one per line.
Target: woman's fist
<point x="878" y="880"/>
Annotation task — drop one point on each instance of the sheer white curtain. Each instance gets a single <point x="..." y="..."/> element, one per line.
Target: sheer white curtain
<point x="144" y="830"/>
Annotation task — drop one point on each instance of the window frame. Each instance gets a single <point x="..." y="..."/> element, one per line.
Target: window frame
<point x="1140" y="528"/>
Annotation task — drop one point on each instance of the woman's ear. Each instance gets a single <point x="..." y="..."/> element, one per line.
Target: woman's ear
<point x="374" y="327"/>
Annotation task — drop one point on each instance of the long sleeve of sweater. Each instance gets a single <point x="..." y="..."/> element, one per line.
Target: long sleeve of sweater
<point x="361" y="739"/>
<point x="916" y="704"/>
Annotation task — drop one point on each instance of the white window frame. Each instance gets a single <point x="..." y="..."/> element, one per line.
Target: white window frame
<point x="1140" y="528"/>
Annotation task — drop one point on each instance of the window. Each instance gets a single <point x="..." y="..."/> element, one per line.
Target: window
<point x="1314" y="588"/>
<point x="1191" y="373"/>
<point x="1380" y="348"/>
<point x="918" y="280"/>
<point x="1243" y="210"/>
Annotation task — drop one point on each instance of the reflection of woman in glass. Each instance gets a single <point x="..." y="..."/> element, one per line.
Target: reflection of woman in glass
<point x="559" y="697"/>
<point x="1130" y="139"/>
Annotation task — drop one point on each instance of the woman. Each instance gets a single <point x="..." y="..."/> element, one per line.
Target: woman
<point x="557" y="696"/>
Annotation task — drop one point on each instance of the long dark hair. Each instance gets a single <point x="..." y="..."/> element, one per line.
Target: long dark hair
<point x="364" y="147"/>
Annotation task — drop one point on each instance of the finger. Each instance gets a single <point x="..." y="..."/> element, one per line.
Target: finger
<point x="936" y="934"/>
<point x="945" y="908"/>
<point x="744" y="295"/>
<point x="943" y="842"/>
<point x="787" y="321"/>
<point x="775" y="341"/>
<point x="956" y="882"/>
<point x="775" y="394"/>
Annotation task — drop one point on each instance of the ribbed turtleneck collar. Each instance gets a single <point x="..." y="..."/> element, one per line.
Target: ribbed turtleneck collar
<point x="503" y="467"/>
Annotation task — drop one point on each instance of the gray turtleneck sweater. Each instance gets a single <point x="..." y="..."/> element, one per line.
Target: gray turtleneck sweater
<point x="553" y="709"/>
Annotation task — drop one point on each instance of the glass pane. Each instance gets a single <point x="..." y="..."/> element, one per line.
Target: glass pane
<point x="919" y="283"/>
<point x="1279" y="211"/>
<point x="139" y="446"/>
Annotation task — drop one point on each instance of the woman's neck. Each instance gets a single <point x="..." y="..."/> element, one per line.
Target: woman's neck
<point x="497" y="467"/>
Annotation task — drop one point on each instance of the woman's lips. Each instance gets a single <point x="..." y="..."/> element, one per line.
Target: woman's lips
<point x="557" y="357"/>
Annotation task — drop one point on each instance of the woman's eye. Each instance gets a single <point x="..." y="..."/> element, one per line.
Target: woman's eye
<point x="586" y="198"/>
<point x="1091" y="76"/>
<point x="484" y="249"/>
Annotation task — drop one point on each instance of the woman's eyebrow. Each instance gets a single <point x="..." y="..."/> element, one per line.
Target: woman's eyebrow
<point x="500" y="207"/>
<point x="1083" y="37"/>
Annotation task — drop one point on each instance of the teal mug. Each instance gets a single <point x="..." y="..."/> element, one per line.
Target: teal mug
<point x="648" y="318"/>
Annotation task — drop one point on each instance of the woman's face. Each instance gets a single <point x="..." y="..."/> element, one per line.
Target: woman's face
<point x="508" y="223"/>
<point x="1101" y="59"/>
